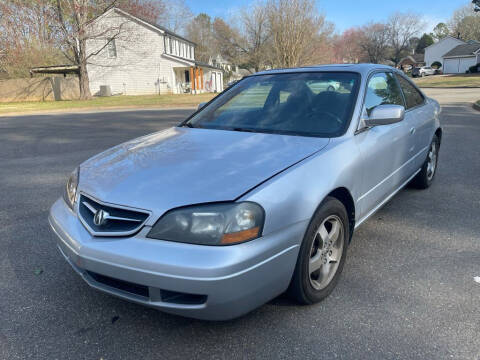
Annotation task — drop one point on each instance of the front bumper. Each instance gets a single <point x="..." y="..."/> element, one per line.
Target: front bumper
<point x="205" y="282"/>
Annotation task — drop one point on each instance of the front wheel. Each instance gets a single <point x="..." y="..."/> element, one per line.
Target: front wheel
<point x="425" y="177"/>
<point x="322" y="254"/>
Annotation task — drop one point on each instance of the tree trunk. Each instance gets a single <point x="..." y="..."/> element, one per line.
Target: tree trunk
<point x="84" y="82"/>
<point x="83" y="74"/>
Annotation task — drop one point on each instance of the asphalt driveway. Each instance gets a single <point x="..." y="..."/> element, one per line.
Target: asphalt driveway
<point x="407" y="291"/>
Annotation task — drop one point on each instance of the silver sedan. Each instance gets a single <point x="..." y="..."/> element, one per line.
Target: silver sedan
<point x="257" y="193"/>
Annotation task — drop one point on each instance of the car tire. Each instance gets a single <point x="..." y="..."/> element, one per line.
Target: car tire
<point x="307" y="286"/>
<point x="425" y="177"/>
<point x="330" y="88"/>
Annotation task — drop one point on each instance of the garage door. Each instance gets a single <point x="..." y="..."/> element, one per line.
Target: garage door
<point x="450" y="66"/>
<point x="465" y="63"/>
<point x="459" y="65"/>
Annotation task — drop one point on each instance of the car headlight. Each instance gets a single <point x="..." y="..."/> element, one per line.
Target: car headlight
<point x="70" y="192"/>
<point x="211" y="224"/>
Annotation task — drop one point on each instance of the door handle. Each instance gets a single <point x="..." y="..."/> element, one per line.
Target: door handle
<point x="412" y="131"/>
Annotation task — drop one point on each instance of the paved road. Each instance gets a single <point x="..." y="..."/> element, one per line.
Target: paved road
<point x="407" y="291"/>
<point x="448" y="96"/>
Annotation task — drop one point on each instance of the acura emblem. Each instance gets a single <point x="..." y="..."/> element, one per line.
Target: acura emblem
<point x="100" y="217"/>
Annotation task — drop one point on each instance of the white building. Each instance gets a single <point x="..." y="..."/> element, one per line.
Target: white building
<point x="134" y="57"/>
<point x="461" y="58"/>
<point x="436" y="51"/>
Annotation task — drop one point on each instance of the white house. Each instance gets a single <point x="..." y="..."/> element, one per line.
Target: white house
<point x="461" y="58"/>
<point x="133" y="57"/>
<point x="436" y="51"/>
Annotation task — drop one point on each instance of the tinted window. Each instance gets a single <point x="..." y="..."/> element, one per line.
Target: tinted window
<point x="382" y="89"/>
<point x="309" y="104"/>
<point x="412" y="96"/>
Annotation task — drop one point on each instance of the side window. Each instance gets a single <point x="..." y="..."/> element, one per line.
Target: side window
<point x="111" y="48"/>
<point x="412" y="96"/>
<point x="382" y="89"/>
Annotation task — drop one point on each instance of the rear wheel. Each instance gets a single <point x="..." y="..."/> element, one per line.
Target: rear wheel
<point x="322" y="254"/>
<point x="425" y="177"/>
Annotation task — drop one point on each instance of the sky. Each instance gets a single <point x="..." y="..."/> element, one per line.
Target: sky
<point x="347" y="13"/>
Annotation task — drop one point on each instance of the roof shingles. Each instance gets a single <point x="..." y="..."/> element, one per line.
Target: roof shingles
<point x="463" y="50"/>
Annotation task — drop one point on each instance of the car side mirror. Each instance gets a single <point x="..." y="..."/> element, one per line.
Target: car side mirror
<point x="201" y="105"/>
<point x="385" y="115"/>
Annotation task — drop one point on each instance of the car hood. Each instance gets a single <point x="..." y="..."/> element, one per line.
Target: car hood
<point x="183" y="166"/>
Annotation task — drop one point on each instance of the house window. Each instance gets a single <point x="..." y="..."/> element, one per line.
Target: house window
<point x="111" y="48"/>
<point x="170" y="45"/>
<point x="187" y="76"/>
<point x="181" y="49"/>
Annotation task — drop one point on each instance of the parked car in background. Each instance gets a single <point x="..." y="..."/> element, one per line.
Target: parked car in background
<point x="423" y="71"/>
<point x="257" y="193"/>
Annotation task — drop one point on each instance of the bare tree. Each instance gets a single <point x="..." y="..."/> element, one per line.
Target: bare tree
<point x="296" y="30"/>
<point x="440" y="31"/>
<point x="257" y="35"/>
<point x="347" y="46"/>
<point x="26" y="37"/>
<point x="374" y="42"/>
<point x="465" y="23"/>
<point x="200" y="31"/>
<point x="245" y="40"/>
<point x="75" y="26"/>
<point x="401" y="28"/>
<point x="176" y="16"/>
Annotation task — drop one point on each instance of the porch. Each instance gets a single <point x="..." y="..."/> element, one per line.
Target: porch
<point x="198" y="79"/>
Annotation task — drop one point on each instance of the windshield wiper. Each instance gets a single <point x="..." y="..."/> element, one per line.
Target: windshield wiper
<point x="244" y="129"/>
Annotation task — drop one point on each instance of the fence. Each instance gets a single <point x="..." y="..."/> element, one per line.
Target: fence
<point x="39" y="89"/>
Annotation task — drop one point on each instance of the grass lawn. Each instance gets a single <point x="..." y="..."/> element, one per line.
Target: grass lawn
<point x="97" y="103"/>
<point x="463" y="80"/>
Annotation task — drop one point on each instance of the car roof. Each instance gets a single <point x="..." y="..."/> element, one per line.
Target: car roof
<point x="363" y="69"/>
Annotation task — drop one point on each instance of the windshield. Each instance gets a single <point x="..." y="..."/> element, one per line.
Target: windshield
<point x="306" y="104"/>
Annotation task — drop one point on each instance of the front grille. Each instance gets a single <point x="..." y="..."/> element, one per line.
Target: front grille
<point x="107" y="220"/>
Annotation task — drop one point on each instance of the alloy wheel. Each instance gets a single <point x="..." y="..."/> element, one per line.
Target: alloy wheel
<point x="326" y="252"/>
<point x="432" y="161"/>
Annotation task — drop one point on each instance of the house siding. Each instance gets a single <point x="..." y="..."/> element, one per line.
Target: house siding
<point x="436" y="51"/>
<point x="139" y="67"/>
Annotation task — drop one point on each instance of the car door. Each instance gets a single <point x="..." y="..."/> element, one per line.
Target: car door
<point x="419" y="117"/>
<point x="384" y="149"/>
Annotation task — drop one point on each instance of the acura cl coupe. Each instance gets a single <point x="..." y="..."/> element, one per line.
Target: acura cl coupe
<point x="257" y="193"/>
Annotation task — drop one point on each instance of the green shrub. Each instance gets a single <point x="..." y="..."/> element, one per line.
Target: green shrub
<point x="437" y="65"/>
<point x="473" y="69"/>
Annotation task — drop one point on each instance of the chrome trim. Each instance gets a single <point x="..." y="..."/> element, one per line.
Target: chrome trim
<point x="122" y="207"/>
<point x="108" y="217"/>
